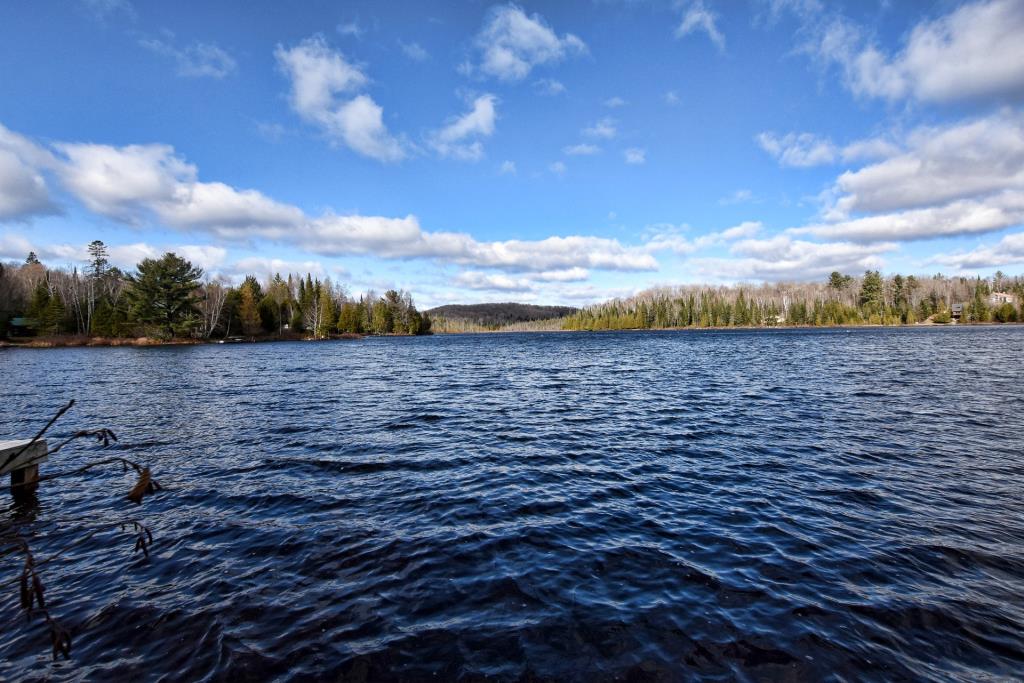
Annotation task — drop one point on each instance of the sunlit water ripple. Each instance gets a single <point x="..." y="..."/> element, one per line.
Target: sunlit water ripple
<point x="753" y="505"/>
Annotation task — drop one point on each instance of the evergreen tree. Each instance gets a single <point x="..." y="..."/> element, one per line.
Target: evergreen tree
<point x="871" y="291"/>
<point x="162" y="293"/>
<point x="98" y="263"/>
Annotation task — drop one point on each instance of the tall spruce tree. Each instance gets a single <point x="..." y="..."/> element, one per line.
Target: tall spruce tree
<point x="162" y="293"/>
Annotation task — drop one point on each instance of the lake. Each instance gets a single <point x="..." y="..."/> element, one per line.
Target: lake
<point x="752" y="505"/>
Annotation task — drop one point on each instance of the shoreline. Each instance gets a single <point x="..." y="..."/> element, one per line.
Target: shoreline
<point x="80" y="341"/>
<point x="742" y="327"/>
<point x="83" y="341"/>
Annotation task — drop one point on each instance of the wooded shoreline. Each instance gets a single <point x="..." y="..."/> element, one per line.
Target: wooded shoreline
<point x="76" y="341"/>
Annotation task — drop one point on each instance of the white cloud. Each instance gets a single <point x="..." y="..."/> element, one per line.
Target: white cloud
<point x="582" y="149"/>
<point x="740" y="196"/>
<point x="14" y="247"/>
<point x="268" y="267"/>
<point x="350" y="29"/>
<point x="604" y="128"/>
<point x="511" y="44"/>
<point x="973" y="52"/>
<point x="549" y="86"/>
<point x="206" y="257"/>
<point x="798" y="149"/>
<point x="105" y="9"/>
<point x="1008" y="251"/>
<point x="782" y="258"/>
<point x="414" y="51"/>
<point x="23" y="190"/>
<point x="460" y="137"/>
<point x="672" y="238"/>
<point x="567" y="275"/>
<point x="507" y="168"/>
<point x="318" y="74"/>
<point x="963" y="160"/>
<point x="558" y="168"/>
<point x="494" y="282"/>
<point x="138" y="183"/>
<point x="135" y="182"/>
<point x="196" y="60"/>
<point x="672" y="98"/>
<point x="615" y="102"/>
<point x="699" y="18"/>
<point x="961" y="217"/>
<point x="963" y="178"/>
<point x="527" y="282"/>
<point x="635" y="155"/>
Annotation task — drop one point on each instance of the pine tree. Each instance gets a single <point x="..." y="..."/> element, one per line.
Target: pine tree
<point x="163" y="293"/>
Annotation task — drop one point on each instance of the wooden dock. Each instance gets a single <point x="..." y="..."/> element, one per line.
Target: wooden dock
<point x="22" y="463"/>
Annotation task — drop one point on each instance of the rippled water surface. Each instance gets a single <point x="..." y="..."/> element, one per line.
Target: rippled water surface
<point x="753" y="505"/>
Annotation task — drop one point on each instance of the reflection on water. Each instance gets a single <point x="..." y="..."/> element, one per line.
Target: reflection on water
<point x="758" y="505"/>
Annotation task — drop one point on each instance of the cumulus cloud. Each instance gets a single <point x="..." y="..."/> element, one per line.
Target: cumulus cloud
<point x="798" y="149"/>
<point x="460" y="137"/>
<point x="512" y="43"/>
<point x="615" y="102"/>
<point x="962" y="178"/>
<point x="414" y="51"/>
<point x="472" y="279"/>
<point x="507" y="168"/>
<point x="1008" y="251"/>
<point x="558" y="167"/>
<point x="604" y="128"/>
<point x="268" y="267"/>
<point x="635" y="155"/>
<point x="582" y="149"/>
<point x="783" y="258"/>
<point x="197" y="60"/>
<point x="973" y="52"/>
<point x="23" y="189"/>
<point x="803" y="150"/>
<point x="978" y="157"/>
<point x="549" y="86"/>
<point x="319" y="76"/>
<point x="138" y="182"/>
<point x="698" y="17"/>
<point x="740" y="196"/>
<point x="477" y="280"/>
<point x="673" y="238"/>
<point x="350" y="29"/>
<point x="102" y="10"/>
<point x="961" y="217"/>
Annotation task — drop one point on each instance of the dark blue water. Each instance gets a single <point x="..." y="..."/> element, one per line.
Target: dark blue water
<point x="751" y="505"/>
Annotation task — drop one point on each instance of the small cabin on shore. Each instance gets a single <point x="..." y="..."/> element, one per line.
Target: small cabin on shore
<point x="957" y="311"/>
<point x="20" y="327"/>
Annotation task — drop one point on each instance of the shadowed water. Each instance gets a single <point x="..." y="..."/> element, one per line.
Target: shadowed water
<point x="752" y="505"/>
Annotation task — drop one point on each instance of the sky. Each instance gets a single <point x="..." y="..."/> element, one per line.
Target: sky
<point x="546" y="152"/>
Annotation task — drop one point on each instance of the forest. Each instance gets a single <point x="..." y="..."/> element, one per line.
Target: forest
<point x="497" y="316"/>
<point x="870" y="299"/>
<point x="168" y="298"/>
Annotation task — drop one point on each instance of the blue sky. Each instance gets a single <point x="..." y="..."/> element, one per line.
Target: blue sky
<point x="549" y="152"/>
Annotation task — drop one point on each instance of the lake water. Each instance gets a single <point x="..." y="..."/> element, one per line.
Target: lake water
<point x="753" y="505"/>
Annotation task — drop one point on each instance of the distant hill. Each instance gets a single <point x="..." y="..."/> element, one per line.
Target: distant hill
<point x="498" y="315"/>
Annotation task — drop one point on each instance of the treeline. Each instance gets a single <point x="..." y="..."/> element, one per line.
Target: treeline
<point x="493" y="317"/>
<point x="843" y="300"/>
<point x="169" y="298"/>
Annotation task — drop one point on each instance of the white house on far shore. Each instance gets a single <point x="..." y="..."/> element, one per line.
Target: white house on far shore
<point x="1000" y="298"/>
